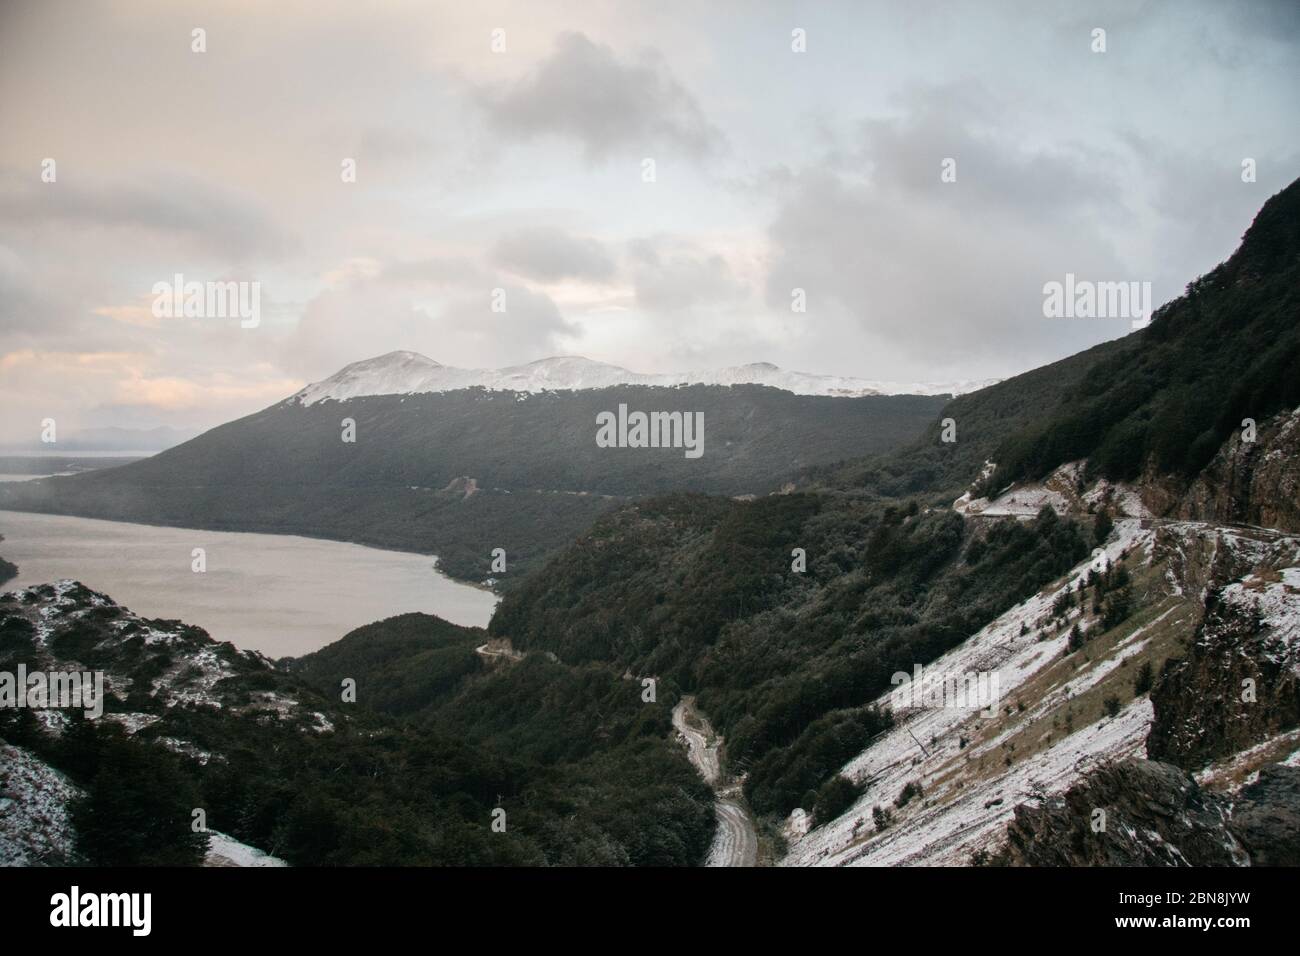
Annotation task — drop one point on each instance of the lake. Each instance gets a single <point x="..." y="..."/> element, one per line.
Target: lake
<point x="279" y="594"/>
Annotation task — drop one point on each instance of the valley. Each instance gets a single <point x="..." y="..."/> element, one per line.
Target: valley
<point x="403" y="482"/>
<point x="1113" y="541"/>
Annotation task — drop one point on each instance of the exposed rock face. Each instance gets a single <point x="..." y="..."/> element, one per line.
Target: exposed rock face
<point x="1240" y="682"/>
<point x="1155" y="815"/>
<point x="1254" y="483"/>
<point x="1266" y="817"/>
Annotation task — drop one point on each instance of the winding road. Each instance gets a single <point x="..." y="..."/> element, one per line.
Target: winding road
<point x="735" y="843"/>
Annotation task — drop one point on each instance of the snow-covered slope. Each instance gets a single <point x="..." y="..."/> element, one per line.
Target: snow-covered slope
<point x="35" y="829"/>
<point x="1061" y="714"/>
<point x="404" y="373"/>
<point x="225" y="850"/>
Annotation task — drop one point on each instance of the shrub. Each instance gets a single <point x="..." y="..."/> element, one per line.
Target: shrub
<point x="911" y="789"/>
<point x="1144" y="679"/>
<point x="835" y="796"/>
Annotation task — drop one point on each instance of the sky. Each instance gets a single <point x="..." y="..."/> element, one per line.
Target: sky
<point x="502" y="156"/>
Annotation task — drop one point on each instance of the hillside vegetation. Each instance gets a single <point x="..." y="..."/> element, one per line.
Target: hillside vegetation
<point x="701" y="591"/>
<point x="281" y="761"/>
<point x="458" y="474"/>
<point x="1159" y="401"/>
<point x="787" y="663"/>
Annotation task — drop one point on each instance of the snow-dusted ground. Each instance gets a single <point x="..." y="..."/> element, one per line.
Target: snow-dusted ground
<point x="961" y="810"/>
<point x="407" y="373"/>
<point x="34" y="825"/>
<point x="1276" y="598"/>
<point x="227" y="851"/>
<point x="35" y="829"/>
<point x="1242" y="769"/>
<point x="1060" y="490"/>
<point x="970" y="782"/>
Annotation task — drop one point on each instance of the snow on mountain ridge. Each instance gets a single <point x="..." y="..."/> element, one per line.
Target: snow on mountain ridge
<point x="406" y="373"/>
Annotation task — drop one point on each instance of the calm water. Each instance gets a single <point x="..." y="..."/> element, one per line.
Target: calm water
<point x="279" y="594"/>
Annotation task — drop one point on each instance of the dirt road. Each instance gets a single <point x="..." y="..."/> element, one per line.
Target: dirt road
<point x="735" y="843"/>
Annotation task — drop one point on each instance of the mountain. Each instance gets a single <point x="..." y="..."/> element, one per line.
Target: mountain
<point x="932" y="653"/>
<point x="1167" y="406"/>
<point x="1105" y="537"/>
<point x="460" y="473"/>
<point x="409" y="373"/>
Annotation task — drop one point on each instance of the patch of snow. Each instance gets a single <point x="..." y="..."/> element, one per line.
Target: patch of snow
<point x="1228" y="774"/>
<point x="187" y="749"/>
<point x="35" y="829"/>
<point x="132" y="723"/>
<point x="225" y="850"/>
<point x="1123" y="496"/>
<point x="407" y="373"/>
<point x="924" y="745"/>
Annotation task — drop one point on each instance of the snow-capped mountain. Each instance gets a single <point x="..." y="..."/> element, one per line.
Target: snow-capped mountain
<point x="404" y="373"/>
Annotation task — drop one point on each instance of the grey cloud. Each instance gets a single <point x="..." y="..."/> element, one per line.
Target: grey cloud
<point x="674" y="278"/>
<point x="960" y="122"/>
<point x="585" y="92"/>
<point x="946" y="273"/>
<point x="382" y="313"/>
<point x="439" y="271"/>
<point x="550" y="254"/>
<point x="1202" y="206"/>
<point x="213" y="218"/>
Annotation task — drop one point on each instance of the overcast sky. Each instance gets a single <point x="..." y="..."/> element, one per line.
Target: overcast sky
<point x="523" y="170"/>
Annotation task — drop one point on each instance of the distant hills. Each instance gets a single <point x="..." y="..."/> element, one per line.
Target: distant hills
<point x="127" y="441"/>
<point x="459" y="473"/>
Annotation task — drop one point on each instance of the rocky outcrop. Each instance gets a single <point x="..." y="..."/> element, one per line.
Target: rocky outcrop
<point x="1239" y="684"/>
<point x="1157" y="815"/>
<point x="1247" y="482"/>
<point x="1266" y="817"/>
<point x="1135" y="813"/>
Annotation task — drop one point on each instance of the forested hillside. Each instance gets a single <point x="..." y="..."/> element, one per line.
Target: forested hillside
<point x="1227" y="350"/>
<point x="585" y="774"/>
<point x="460" y="473"/>
<point x="702" y="591"/>
<point x="787" y="661"/>
<point x="1159" y="401"/>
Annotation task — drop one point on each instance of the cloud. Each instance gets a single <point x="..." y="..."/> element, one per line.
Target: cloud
<point x="441" y="308"/>
<point x="174" y="393"/>
<point x="1067" y="161"/>
<point x="582" y="91"/>
<point x="211" y="218"/>
<point x="677" y="276"/>
<point x="550" y="254"/>
<point x="923" y="274"/>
